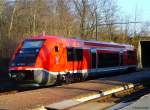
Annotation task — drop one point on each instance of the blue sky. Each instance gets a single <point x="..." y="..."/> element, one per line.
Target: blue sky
<point x="128" y="7"/>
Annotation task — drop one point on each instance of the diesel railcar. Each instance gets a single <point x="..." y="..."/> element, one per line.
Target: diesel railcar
<point x="46" y="60"/>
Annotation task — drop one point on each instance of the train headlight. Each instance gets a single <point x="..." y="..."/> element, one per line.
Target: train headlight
<point x="20" y="51"/>
<point x="37" y="50"/>
<point x="9" y="75"/>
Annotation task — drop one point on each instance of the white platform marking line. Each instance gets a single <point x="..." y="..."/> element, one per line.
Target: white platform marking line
<point x="98" y="95"/>
<point x="75" y="101"/>
<point x="83" y="99"/>
<point x="63" y="104"/>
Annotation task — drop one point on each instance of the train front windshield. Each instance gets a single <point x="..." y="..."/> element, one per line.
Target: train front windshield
<point x="33" y="44"/>
<point x="27" y="55"/>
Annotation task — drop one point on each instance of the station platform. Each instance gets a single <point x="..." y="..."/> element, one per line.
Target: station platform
<point x="142" y="104"/>
<point x="62" y="97"/>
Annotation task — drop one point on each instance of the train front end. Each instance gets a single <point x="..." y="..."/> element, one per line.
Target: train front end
<point x="28" y="66"/>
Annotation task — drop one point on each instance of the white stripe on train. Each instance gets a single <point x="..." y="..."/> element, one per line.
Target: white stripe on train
<point x="85" y="71"/>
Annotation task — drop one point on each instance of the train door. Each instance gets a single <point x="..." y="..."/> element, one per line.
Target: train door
<point x="121" y="58"/>
<point x="93" y="59"/>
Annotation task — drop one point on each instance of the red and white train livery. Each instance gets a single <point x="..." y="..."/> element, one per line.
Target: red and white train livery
<point x="46" y="60"/>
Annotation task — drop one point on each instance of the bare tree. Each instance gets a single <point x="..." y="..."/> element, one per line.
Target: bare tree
<point x="23" y="18"/>
<point x="64" y="18"/>
<point x="145" y="29"/>
<point x="12" y="19"/>
<point x="110" y="17"/>
<point x="82" y="11"/>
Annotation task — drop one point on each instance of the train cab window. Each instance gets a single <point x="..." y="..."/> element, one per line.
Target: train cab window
<point x="74" y="54"/>
<point x="28" y="44"/>
<point x="56" y="49"/>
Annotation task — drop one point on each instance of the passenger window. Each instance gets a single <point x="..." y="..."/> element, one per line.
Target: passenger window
<point x="108" y="59"/>
<point x="131" y="54"/>
<point x="74" y="54"/>
<point x="70" y="54"/>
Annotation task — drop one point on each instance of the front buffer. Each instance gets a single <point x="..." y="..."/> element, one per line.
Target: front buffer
<point x="39" y="76"/>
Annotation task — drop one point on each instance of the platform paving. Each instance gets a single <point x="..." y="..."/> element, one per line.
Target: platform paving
<point x="143" y="104"/>
<point x="51" y="95"/>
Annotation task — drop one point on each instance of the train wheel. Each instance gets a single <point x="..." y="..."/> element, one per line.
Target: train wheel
<point x="80" y="77"/>
<point x="68" y="78"/>
<point x="59" y="80"/>
<point x="74" y="77"/>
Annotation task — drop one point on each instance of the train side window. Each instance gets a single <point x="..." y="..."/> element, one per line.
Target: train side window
<point x="108" y="59"/>
<point x="131" y="54"/>
<point x="78" y="54"/>
<point x="70" y="54"/>
<point x="74" y="54"/>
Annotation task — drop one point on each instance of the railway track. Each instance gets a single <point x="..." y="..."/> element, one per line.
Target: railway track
<point x="8" y="92"/>
<point x="8" y="88"/>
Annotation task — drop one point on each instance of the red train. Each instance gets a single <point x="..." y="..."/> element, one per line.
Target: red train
<point x="46" y="60"/>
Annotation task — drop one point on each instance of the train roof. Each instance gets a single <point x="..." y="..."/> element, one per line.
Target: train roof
<point x="84" y="42"/>
<point x="44" y="37"/>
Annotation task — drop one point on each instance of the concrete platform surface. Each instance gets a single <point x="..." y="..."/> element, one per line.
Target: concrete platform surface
<point x="141" y="104"/>
<point x="77" y="91"/>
